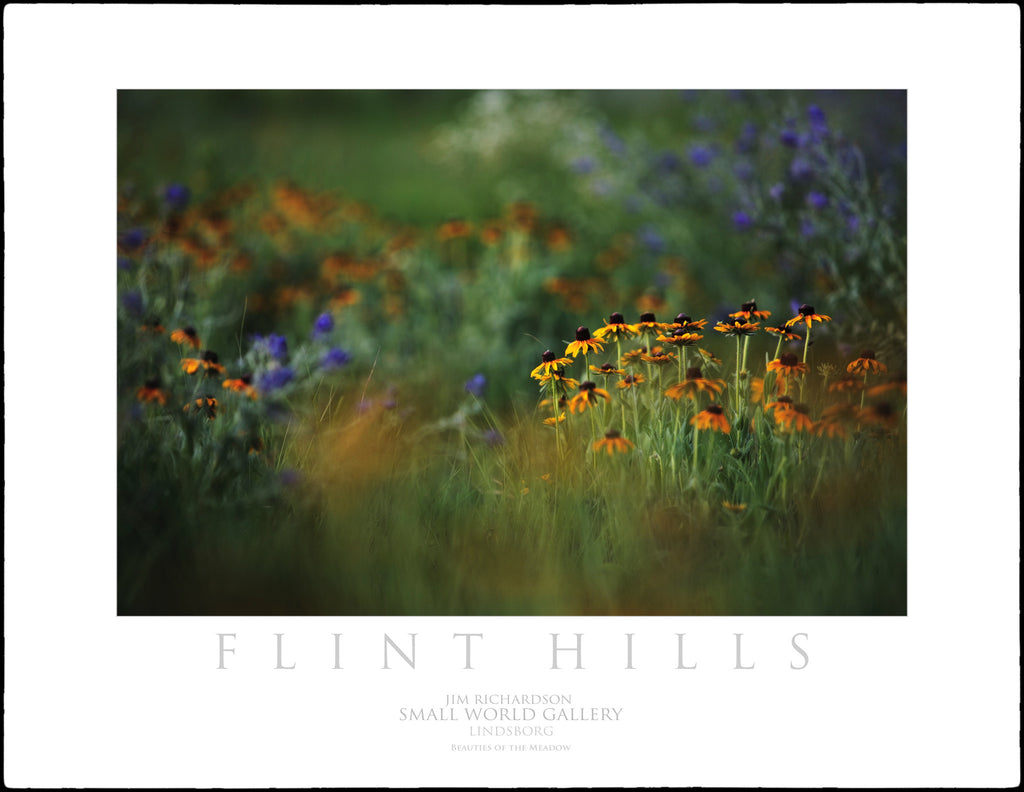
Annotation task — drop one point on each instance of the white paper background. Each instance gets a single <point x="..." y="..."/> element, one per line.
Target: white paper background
<point x="927" y="700"/>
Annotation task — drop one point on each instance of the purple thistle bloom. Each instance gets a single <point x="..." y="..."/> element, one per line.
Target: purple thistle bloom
<point x="651" y="239"/>
<point x="275" y="378"/>
<point x="776" y="190"/>
<point x="132" y="302"/>
<point x="819" y="126"/>
<point x="583" y="165"/>
<point x="701" y="156"/>
<point x="176" y="196"/>
<point x="274" y="345"/>
<point x="133" y="238"/>
<point x="742" y="220"/>
<point x="801" y="168"/>
<point x="817" y="200"/>
<point x="788" y="137"/>
<point x="476" y="384"/>
<point x="334" y="358"/>
<point x="323" y="325"/>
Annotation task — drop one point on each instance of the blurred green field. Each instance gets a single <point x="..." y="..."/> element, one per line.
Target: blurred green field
<point x="387" y="455"/>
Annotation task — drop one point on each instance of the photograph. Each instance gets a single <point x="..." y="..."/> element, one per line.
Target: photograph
<point x="512" y="352"/>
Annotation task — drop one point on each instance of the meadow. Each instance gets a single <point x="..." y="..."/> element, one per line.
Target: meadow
<point x="512" y="353"/>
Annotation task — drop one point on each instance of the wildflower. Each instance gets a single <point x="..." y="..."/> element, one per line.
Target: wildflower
<point x="734" y="507"/>
<point x="658" y="357"/>
<point x="782" y="404"/>
<point x="558" y="238"/>
<point x="749" y="311"/>
<point x="776" y="190"/>
<point x="275" y="378"/>
<point x="817" y="200"/>
<point x="651" y="239"/>
<point x="808" y="315"/>
<point x="273" y="345"/>
<point x="783" y="332"/>
<point x="186" y="335"/>
<point x="491" y="234"/>
<point x="630" y="381"/>
<point x="819" y="127"/>
<point x="894" y="383"/>
<point x="152" y="325"/>
<point x="881" y="414"/>
<point x="607" y="369"/>
<point x="549" y="363"/>
<point x="742" y="220"/>
<point x="613" y="442"/>
<point x="795" y="419"/>
<point x="205" y="405"/>
<point x="649" y="326"/>
<point x="681" y="338"/>
<point x="834" y="421"/>
<point x="711" y="417"/>
<point x="476" y="384"/>
<point x="694" y="384"/>
<point x="553" y="421"/>
<point x="587" y="397"/>
<point x="788" y="365"/>
<point x="454" y="229"/>
<point x="633" y="355"/>
<point x="701" y="156"/>
<point x="132" y="302"/>
<point x="241" y="384"/>
<point x="615" y="329"/>
<point x="584" y="343"/>
<point x="847" y="383"/>
<point x="737" y="326"/>
<point x="558" y="379"/>
<point x="323" y="325"/>
<point x="684" y="322"/>
<point x="151" y="392"/>
<point x="334" y="358"/>
<point x="176" y="197"/>
<point x="709" y="358"/>
<point x="865" y="364"/>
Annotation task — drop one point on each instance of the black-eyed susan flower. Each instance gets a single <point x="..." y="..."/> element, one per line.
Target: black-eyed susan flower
<point x="558" y="238"/>
<point x="686" y="324"/>
<point x="584" y="343"/>
<point x="630" y="381"/>
<point x="241" y="384"/>
<point x="709" y="358"/>
<point x="633" y="355"/>
<point x="695" y="384"/>
<point x="781" y="404"/>
<point x="835" y="420"/>
<point x="209" y="362"/>
<point x="552" y="421"/>
<point x="788" y="365"/>
<point x="711" y="417"/>
<point x="681" y="338"/>
<point x="152" y="325"/>
<point x="737" y="326"/>
<point x="866" y="364"/>
<point x="615" y="329"/>
<point x="881" y="415"/>
<point x="846" y="384"/>
<point x="204" y="405"/>
<point x="454" y="229"/>
<point x="807" y="315"/>
<point x="186" y="335"/>
<point x="659" y="357"/>
<point x="491" y="234"/>
<point x="151" y="392"/>
<point x="588" y="396"/>
<point x="607" y="369"/>
<point x="613" y="442"/>
<point x="749" y="311"/>
<point x="783" y="332"/>
<point x="549" y="363"/>
<point x="649" y="326"/>
<point x="559" y="381"/>
<point x="894" y="384"/>
<point x="796" y="419"/>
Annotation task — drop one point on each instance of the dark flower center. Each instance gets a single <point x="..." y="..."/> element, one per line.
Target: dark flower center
<point x="785" y="400"/>
<point x="749" y="307"/>
<point x="607" y="367"/>
<point x="548" y="356"/>
<point x="210" y="357"/>
<point x="693" y="373"/>
<point x="190" y="331"/>
<point x="788" y="359"/>
<point x="682" y="319"/>
<point x="867" y="354"/>
<point x="802" y="408"/>
<point x="582" y="334"/>
<point x="612" y="434"/>
<point x="883" y="410"/>
<point x="680" y="332"/>
<point x="647" y="317"/>
<point x="587" y="386"/>
<point x="714" y="409"/>
<point x="153" y="384"/>
<point x="246" y="379"/>
<point x="616" y="318"/>
<point x="806" y="310"/>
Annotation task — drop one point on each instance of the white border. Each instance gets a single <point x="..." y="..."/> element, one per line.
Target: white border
<point x="927" y="700"/>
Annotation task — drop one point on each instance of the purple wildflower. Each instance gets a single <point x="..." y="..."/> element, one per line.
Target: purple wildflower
<point x="476" y="384"/>
<point x="819" y="126"/>
<point x="133" y="238"/>
<point x="323" y="325"/>
<point x="124" y="263"/>
<point x="274" y="345"/>
<point x="801" y="168"/>
<point x="701" y="156"/>
<point x="742" y="220"/>
<point x="334" y="358"/>
<point x="747" y="140"/>
<point x="274" y="379"/>
<point x="776" y="190"/>
<point x="176" y="197"/>
<point x="583" y="165"/>
<point x="651" y="239"/>
<point x="817" y="200"/>
<point x="132" y="302"/>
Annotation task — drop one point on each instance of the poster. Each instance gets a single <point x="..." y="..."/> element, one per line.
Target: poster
<point x="93" y="698"/>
